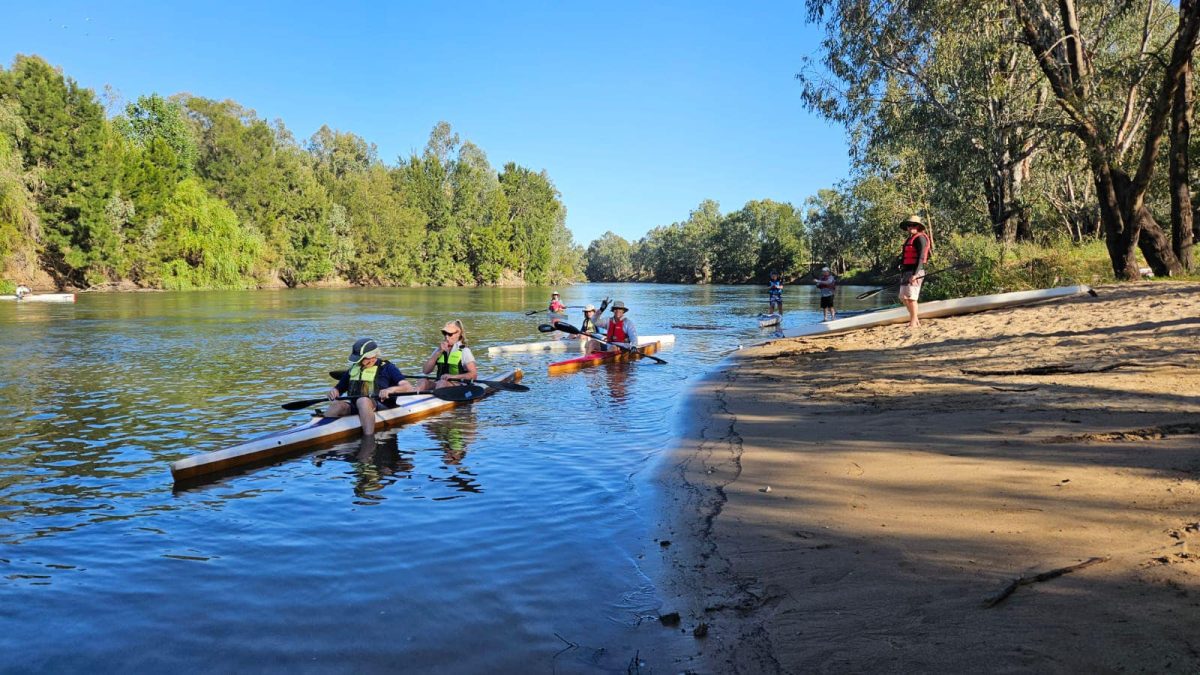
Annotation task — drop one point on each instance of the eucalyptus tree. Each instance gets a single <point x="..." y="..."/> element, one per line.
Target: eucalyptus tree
<point x="1115" y="95"/>
<point x="609" y="258"/>
<point x="945" y="80"/>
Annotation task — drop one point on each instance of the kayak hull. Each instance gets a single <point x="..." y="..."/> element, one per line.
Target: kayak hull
<point x="317" y="431"/>
<point x="600" y="358"/>
<point x="568" y="345"/>
<point x="935" y="309"/>
<point x="42" y="297"/>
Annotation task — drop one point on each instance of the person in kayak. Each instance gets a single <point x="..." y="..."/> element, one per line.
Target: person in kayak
<point x="775" y="294"/>
<point x="370" y="384"/>
<point x="452" y="361"/>
<point x="619" y="329"/>
<point x="827" y="284"/>
<point x="913" y="256"/>
<point x="556" y="305"/>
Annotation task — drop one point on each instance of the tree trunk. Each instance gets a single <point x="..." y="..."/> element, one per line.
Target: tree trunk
<point x="1142" y="232"/>
<point x="1010" y="222"/>
<point x="1181" y="197"/>
<point x="1119" y="238"/>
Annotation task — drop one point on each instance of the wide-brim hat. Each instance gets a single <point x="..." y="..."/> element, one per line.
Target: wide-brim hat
<point x="554" y="293"/>
<point x="913" y="220"/>
<point x="363" y="348"/>
<point x="589" y="308"/>
<point x="619" y="305"/>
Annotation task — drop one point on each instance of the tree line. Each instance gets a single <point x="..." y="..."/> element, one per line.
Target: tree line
<point x="185" y="192"/>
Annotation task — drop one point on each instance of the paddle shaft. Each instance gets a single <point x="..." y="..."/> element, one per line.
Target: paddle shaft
<point x="594" y="336"/>
<point x="898" y="284"/>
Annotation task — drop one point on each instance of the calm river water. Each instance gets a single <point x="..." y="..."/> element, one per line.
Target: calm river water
<point x="483" y="539"/>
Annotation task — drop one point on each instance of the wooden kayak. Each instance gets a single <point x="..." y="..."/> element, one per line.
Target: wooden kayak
<point x="42" y="297"/>
<point x="570" y="344"/>
<point x="935" y="309"/>
<point x="765" y="320"/>
<point x="316" y="431"/>
<point x="597" y="358"/>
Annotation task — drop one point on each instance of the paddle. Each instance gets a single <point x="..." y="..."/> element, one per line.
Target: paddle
<point x="877" y="291"/>
<point x="495" y="384"/>
<point x="457" y="394"/>
<point x="538" y="311"/>
<point x="568" y="328"/>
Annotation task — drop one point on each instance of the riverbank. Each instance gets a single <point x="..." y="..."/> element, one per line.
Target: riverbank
<point x="854" y="503"/>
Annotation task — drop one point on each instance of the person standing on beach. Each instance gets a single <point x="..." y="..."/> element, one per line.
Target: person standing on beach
<point x="913" y="256"/>
<point x="775" y="294"/>
<point x="827" y="283"/>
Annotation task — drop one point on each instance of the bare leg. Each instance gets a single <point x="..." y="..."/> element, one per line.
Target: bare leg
<point x="337" y="409"/>
<point x="366" y="415"/>
<point x="911" y="305"/>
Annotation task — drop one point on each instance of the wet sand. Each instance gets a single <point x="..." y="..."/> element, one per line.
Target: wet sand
<point x="855" y="503"/>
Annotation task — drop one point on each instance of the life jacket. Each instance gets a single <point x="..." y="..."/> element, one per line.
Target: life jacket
<point x="362" y="380"/>
<point x="557" y="306"/>
<point x="616" y="331"/>
<point x="450" y="364"/>
<point x="588" y="326"/>
<point x="775" y="287"/>
<point x="909" y="253"/>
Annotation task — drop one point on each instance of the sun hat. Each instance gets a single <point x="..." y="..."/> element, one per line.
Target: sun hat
<point x="363" y="348"/>
<point x="589" y="307"/>
<point x="619" y="305"/>
<point x="824" y="269"/>
<point x="554" y="293"/>
<point x="913" y="220"/>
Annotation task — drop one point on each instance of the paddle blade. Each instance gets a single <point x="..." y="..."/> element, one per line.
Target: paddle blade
<point x="508" y="386"/>
<point x="459" y="394"/>
<point x="546" y="328"/>
<point x="566" y="327"/>
<point x="337" y="374"/>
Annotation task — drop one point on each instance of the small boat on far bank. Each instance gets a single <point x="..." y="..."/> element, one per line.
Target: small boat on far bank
<point x="935" y="309"/>
<point x="569" y="344"/>
<point x="41" y="297"/>
<point x="599" y="358"/>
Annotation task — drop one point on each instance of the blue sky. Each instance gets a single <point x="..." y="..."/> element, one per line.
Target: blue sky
<point x="638" y="111"/>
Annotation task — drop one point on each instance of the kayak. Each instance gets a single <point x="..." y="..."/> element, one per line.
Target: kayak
<point x="598" y="358"/>
<point x="42" y="297"/>
<point x="316" y="431"/>
<point x="935" y="309"/>
<point x="569" y="344"/>
<point x="765" y="320"/>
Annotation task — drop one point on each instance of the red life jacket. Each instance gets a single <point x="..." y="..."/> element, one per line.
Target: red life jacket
<point x="909" y="254"/>
<point x="616" y="331"/>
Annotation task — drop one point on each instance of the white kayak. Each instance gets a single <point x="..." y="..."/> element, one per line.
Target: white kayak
<point x="42" y="297"/>
<point x="935" y="309"/>
<point x="569" y="344"/>
<point x="765" y="320"/>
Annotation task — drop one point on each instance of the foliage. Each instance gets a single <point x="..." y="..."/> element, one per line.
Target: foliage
<point x="992" y="267"/>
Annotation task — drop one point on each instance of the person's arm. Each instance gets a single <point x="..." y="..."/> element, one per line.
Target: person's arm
<point x="431" y="362"/>
<point x="631" y="333"/>
<point x="397" y="381"/>
<point x="922" y="246"/>
<point x="342" y="386"/>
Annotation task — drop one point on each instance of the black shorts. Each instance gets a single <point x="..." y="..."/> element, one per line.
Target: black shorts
<point x="826" y="302"/>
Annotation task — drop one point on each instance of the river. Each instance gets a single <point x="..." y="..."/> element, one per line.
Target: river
<point x="513" y="535"/>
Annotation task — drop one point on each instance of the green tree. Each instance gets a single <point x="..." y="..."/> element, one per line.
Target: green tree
<point x="202" y="245"/>
<point x="610" y="258"/>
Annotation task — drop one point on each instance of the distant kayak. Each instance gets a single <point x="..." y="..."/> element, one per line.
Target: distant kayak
<point x="569" y="344"/>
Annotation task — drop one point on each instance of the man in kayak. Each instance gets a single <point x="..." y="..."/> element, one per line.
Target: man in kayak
<point x="827" y="284"/>
<point x="369" y="385"/>
<point x="775" y="294"/>
<point x="620" y="330"/>
<point x="452" y="360"/>
<point x="913" y="256"/>
<point x="556" y="305"/>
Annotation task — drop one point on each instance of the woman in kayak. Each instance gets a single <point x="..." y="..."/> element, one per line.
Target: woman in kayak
<point x="452" y="360"/>
<point x="369" y="384"/>
<point x="556" y="305"/>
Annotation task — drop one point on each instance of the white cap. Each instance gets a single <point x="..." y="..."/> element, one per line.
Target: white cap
<point x="824" y="269"/>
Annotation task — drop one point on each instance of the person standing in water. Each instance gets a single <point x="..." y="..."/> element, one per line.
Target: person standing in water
<point x="775" y="294"/>
<point x="827" y="283"/>
<point x="913" y="256"/>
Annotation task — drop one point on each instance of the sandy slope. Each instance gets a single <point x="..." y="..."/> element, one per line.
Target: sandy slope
<point x="904" y="493"/>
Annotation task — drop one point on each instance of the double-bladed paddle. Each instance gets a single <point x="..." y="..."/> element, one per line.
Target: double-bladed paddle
<point x="455" y="393"/>
<point x="568" y="328"/>
<point x="898" y="284"/>
<point x="495" y="384"/>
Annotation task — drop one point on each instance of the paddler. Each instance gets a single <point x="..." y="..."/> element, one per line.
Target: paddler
<point x="452" y="360"/>
<point x="620" y="330"/>
<point x="22" y="291"/>
<point x="370" y="384"/>
<point x="913" y="256"/>
<point x="556" y="305"/>
<point x="775" y="294"/>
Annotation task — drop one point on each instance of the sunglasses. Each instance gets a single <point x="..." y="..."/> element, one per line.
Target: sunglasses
<point x="449" y="333"/>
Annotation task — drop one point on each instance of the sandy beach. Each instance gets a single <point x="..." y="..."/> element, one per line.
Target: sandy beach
<point x="885" y="501"/>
